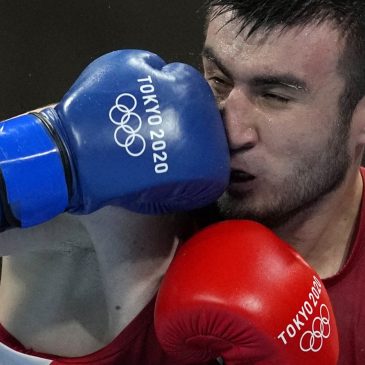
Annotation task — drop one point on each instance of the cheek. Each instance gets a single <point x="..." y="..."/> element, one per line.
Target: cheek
<point x="295" y="136"/>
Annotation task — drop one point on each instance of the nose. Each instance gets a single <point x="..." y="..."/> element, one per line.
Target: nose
<point x="237" y="113"/>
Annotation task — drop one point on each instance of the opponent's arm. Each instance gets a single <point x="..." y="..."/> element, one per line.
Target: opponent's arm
<point x="131" y="131"/>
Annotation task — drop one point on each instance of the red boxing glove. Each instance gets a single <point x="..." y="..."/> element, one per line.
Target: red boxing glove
<point x="237" y="291"/>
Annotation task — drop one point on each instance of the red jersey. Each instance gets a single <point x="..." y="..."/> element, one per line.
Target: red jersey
<point x="136" y="345"/>
<point x="347" y="293"/>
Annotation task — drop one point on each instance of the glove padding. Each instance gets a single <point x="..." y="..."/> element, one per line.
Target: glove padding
<point x="237" y="291"/>
<point x="132" y="131"/>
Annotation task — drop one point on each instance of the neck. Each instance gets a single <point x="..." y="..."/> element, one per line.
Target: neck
<point x="74" y="297"/>
<point x="323" y="234"/>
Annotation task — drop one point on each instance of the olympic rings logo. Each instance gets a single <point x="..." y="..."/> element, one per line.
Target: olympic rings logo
<point x="321" y="329"/>
<point x="129" y="124"/>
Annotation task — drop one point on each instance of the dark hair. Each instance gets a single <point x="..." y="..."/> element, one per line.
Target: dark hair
<point x="347" y="16"/>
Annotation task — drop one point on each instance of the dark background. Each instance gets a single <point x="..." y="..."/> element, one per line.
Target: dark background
<point x="45" y="44"/>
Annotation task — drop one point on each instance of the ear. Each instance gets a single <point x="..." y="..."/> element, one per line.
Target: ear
<point x="358" y="122"/>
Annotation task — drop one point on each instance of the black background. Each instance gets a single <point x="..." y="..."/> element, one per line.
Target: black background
<point x="44" y="45"/>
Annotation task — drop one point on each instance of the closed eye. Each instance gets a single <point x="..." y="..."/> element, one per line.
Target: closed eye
<point x="276" y="97"/>
<point x="221" y="87"/>
<point x="217" y="80"/>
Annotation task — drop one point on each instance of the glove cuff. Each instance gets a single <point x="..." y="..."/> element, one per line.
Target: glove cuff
<point x="34" y="186"/>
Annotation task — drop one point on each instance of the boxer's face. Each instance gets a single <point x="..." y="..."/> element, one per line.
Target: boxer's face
<point x="279" y="98"/>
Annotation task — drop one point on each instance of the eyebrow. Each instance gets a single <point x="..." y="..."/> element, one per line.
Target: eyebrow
<point x="271" y="79"/>
<point x="282" y="80"/>
<point x="208" y="53"/>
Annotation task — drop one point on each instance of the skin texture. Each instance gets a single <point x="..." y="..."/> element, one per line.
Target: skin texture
<point x="71" y="285"/>
<point x="294" y="160"/>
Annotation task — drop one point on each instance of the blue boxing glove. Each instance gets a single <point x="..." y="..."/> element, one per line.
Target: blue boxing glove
<point x="132" y="131"/>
